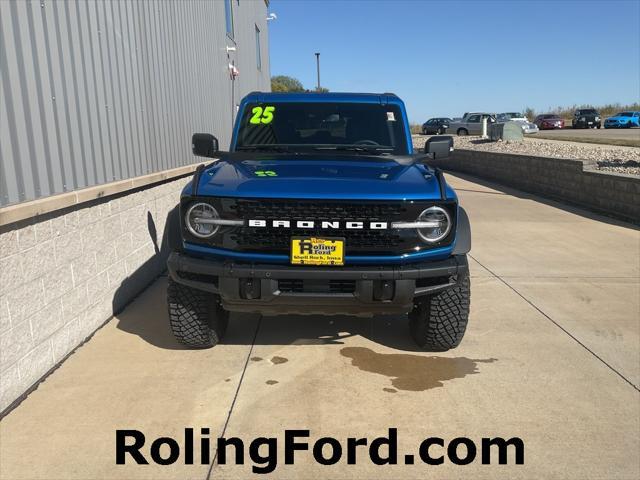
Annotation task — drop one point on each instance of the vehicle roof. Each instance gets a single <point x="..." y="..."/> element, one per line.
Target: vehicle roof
<point x="347" y="97"/>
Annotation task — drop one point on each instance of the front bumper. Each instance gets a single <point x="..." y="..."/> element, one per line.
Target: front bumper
<point x="587" y="123"/>
<point x="617" y="124"/>
<point x="258" y="288"/>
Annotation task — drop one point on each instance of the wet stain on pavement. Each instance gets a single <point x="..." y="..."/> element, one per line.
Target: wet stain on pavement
<point x="271" y="382"/>
<point x="278" y="360"/>
<point x="413" y="373"/>
<point x="390" y="390"/>
<point x="256" y="359"/>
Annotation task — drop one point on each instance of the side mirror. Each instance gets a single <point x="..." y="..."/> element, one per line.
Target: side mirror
<point x="439" y="146"/>
<point x="204" y="145"/>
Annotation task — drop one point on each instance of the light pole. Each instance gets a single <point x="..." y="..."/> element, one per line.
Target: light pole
<point x="318" y="69"/>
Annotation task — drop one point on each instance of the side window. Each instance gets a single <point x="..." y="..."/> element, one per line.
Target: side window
<point x="228" y="16"/>
<point x="258" y="54"/>
<point x="474" y="119"/>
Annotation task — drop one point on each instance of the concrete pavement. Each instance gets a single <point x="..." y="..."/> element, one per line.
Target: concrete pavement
<point x="551" y="355"/>
<point x="607" y="136"/>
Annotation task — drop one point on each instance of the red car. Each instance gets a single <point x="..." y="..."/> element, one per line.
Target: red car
<point x="549" y="121"/>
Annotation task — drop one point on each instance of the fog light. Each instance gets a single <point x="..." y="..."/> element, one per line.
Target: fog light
<point x="383" y="290"/>
<point x="250" y="288"/>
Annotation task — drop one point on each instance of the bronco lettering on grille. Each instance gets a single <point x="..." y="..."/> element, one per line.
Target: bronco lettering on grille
<point x="322" y="225"/>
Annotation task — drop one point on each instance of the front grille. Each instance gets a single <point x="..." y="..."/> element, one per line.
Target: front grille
<point x="280" y="240"/>
<point x="357" y="241"/>
<point x="320" y="210"/>
<point x="317" y="286"/>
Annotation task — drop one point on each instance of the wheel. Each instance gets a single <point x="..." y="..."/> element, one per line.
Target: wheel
<point x="439" y="322"/>
<point x="424" y="131"/>
<point x="440" y="131"/>
<point x="598" y="127"/>
<point x="197" y="319"/>
<point x="462" y="132"/>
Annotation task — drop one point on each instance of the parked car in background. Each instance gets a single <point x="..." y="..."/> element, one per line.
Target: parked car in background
<point x="471" y="123"/>
<point x="435" y="126"/>
<point x="511" y="116"/>
<point x="586" y="118"/>
<point x="525" y="124"/>
<point x="623" y="120"/>
<point x="549" y="121"/>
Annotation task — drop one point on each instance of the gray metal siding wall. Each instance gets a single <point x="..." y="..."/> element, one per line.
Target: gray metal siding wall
<point x="102" y="90"/>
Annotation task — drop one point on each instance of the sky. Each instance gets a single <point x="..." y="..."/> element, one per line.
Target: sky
<point x="444" y="58"/>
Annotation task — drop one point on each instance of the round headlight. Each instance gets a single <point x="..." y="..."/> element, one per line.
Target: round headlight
<point x="199" y="220"/>
<point x="435" y="224"/>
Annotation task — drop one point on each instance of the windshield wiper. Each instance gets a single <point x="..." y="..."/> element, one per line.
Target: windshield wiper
<point x="356" y="148"/>
<point x="263" y="148"/>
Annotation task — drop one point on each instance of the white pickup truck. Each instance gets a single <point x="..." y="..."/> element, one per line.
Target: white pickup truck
<point x="521" y="119"/>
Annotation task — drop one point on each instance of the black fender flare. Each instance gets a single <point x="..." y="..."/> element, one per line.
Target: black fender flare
<point x="463" y="233"/>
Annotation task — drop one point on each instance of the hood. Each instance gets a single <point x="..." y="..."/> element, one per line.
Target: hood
<point x="318" y="177"/>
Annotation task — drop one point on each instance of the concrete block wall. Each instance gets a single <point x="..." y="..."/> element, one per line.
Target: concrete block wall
<point x="63" y="274"/>
<point x="573" y="181"/>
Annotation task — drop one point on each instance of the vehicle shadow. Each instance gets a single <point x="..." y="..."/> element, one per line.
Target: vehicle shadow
<point x="144" y="318"/>
<point x="139" y="306"/>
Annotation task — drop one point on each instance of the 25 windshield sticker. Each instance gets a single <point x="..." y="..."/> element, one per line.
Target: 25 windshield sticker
<point x="262" y="115"/>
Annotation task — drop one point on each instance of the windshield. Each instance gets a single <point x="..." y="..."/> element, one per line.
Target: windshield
<point x="513" y="115"/>
<point x="624" y="114"/>
<point x="590" y="111"/>
<point x="309" y="126"/>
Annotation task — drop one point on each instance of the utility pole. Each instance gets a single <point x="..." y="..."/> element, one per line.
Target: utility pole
<point x="318" y="69"/>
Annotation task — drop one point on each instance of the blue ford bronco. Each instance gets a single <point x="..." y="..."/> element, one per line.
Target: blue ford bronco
<point x="320" y="206"/>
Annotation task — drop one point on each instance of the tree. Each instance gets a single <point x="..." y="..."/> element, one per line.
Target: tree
<point x="283" y="83"/>
<point x="530" y="113"/>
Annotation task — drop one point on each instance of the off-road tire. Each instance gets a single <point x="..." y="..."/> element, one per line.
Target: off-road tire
<point x="438" y="323"/>
<point x="197" y="319"/>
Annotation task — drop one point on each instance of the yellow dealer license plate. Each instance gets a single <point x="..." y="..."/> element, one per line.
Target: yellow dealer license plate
<point x="317" y="251"/>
